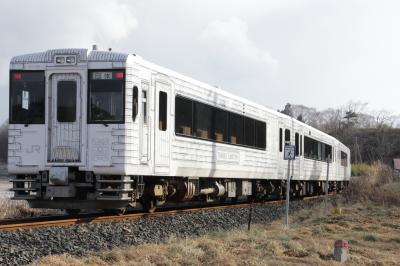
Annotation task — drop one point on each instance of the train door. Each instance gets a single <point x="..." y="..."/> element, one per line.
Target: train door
<point x="144" y="124"/>
<point x="282" y="165"/>
<point x="65" y="119"/>
<point x="161" y="127"/>
<point x="298" y="164"/>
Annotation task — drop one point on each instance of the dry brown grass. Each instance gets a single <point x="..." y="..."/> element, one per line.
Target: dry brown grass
<point x="377" y="185"/>
<point x="373" y="232"/>
<point x="20" y="208"/>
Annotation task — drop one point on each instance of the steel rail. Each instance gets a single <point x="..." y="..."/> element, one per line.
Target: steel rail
<point x="29" y="223"/>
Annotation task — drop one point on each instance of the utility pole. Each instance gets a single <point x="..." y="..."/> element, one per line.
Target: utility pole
<point x="327" y="182"/>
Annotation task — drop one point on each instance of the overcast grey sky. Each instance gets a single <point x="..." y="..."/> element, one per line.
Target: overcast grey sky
<point x="312" y="52"/>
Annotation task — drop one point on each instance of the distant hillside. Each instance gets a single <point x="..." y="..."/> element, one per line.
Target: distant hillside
<point x="370" y="135"/>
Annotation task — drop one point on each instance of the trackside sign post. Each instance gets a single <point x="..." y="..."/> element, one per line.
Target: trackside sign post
<point x="289" y="154"/>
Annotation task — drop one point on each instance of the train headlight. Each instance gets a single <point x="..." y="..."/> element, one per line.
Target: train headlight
<point x="70" y="60"/>
<point x="66" y="60"/>
<point x="60" y="60"/>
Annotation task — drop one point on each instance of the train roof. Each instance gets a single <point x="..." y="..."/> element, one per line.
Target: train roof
<point x="86" y="55"/>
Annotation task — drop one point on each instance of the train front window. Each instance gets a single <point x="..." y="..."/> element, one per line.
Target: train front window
<point x="106" y="96"/>
<point x="27" y="94"/>
<point x="66" y="101"/>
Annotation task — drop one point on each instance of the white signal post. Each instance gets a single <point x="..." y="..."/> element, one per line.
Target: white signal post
<point x="289" y="155"/>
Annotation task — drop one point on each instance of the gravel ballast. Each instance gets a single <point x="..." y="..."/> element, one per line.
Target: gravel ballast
<point x="25" y="246"/>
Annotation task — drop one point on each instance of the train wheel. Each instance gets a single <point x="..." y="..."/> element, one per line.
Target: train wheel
<point x="149" y="204"/>
<point x="72" y="211"/>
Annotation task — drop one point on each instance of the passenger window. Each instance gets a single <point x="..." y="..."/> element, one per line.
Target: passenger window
<point x="183" y="116"/>
<point x="135" y="102"/>
<point x="66" y="101"/>
<point x="220" y="125"/>
<point x="328" y="152"/>
<point x="301" y="145"/>
<point x="287" y="136"/>
<point x="236" y="128"/>
<point x="310" y="148"/>
<point x="203" y="121"/>
<point x="296" y="141"/>
<point x="162" y="111"/>
<point x="343" y="158"/>
<point x="144" y="106"/>
<point x="261" y="133"/>
<point x="249" y="132"/>
<point x="280" y="139"/>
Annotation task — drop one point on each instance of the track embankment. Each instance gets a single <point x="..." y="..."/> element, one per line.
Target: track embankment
<point x="23" y="246"/>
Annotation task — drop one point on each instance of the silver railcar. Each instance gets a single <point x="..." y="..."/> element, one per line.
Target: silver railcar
<point x="104" y="130"/>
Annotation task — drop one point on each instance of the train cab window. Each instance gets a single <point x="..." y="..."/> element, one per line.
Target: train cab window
<point x="343" y="158"/>
<point x="203" y="120"/>
<point x="183" y="116"/>
<point x="249" y="131"/>
<point x="66" y="101"/>
<point x="287" y="136"/>
<point x="106" y="96"/>
<point x="144" y="106"/>
<point x="296" y="141"/>
<point x="220" y="122"/>
<point x="236" y="128"/>
<point x="261" y="134"/>
<point x="135" y="103"/>
<point x="162" y="111"/>
<point x="280" y="139"/>
<point x="27" y="95"/>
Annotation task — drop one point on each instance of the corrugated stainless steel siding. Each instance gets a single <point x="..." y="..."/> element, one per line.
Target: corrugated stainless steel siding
<point x="103" y="56"/>
<point x="48" y="56"/>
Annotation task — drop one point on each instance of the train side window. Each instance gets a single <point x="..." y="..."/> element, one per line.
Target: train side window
<point x="183" y="116"/>
<point x="249" y="131"/>
<point x="328" y="152"/>
<point x="287" y="136"/>
<point x="144" y="106"/>
<point x="203" y="120"/>
<point x="135" y="103"/>
<point x="236" y="128"/>
<point x="66" y="101"/>
<point x="280" y="139"/>
<point x="321" y="151"/>
<point x="301" y="145"/>
<point x="261" y="133"/>
<point x="310" y="148"/>
<point x="343" y="158"/>
<point x="220" y="124"/>
<point x="296" y="141"/>
<point x="162" y="111"/>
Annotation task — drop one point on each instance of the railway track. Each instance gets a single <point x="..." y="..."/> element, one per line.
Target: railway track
<point x="61" y="220"/>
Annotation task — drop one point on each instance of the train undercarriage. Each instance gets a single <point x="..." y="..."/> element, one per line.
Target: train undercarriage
<point x="73" y="190"/>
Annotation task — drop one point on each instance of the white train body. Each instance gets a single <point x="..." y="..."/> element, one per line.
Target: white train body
<point x="107" y="116"/>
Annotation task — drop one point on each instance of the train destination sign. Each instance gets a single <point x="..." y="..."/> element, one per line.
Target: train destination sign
<point x="289" y="152"/>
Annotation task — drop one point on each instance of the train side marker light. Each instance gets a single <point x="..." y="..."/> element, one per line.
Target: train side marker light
<point x="119" y="75"/>
<point x="17" y="76"/>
